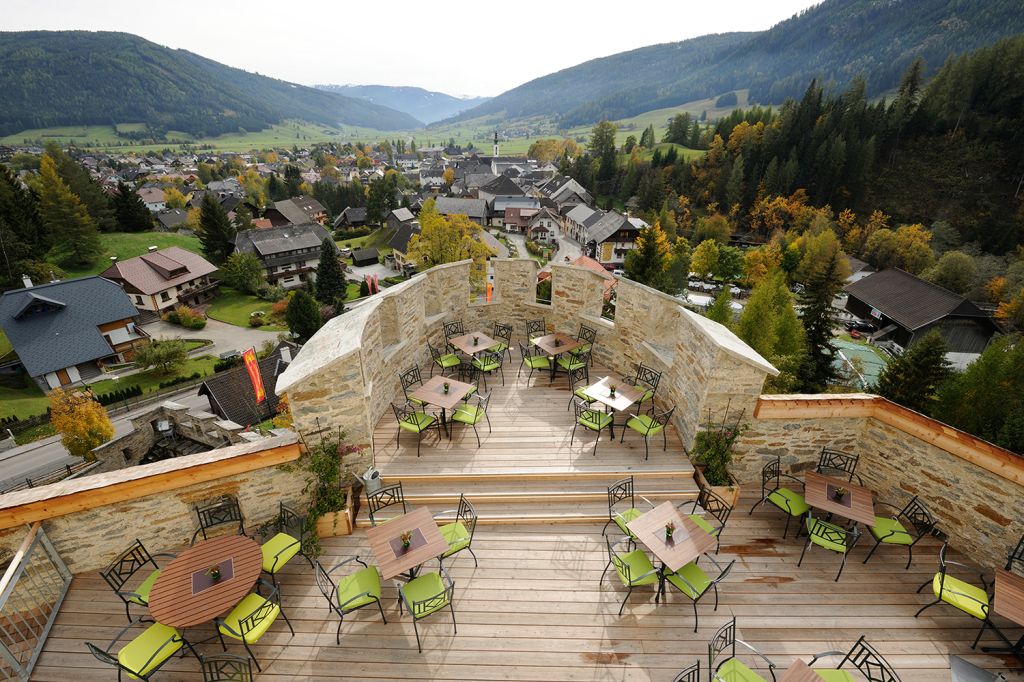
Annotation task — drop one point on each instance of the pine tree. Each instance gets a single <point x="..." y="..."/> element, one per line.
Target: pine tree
<point x="130" y="209"/>
<point x="647" y="260"/>
<point x="216" y="233"/>
<point x="21" y="233"/>
<point x="818" y="315"/>
<point x="303" y="316"/>
<point x="330" y="280"/>
<point x="721" y="309"/>
<point x="84" y="187"/>
<point x="65" y="218"/>
<point x="913" y="379"/>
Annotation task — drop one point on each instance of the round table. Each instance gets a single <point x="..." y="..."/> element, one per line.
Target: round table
<point x="172" y="601"/>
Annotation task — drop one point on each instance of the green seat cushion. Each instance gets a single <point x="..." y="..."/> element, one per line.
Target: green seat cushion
<point x="834" y="675"/>
<point x="416" y="421"/>
<point x="243" y="610"/>
<point x="585" y="348"/>
<point x="538" y="362"/>
<point x="143" y="589"/>
<point x="638" y="564"/>
<point x="569" y="363"/>
<point x="962" y="595"/>
<point x="581" y="393"/>
<point x="468" y="414"/>
<point x="470" y="392"/>
<point x="648" y="393"/>
<point x="890" y="531"/>
<point x="415" y="401"/>
<point x="365" y="580"/>
<point x="705" y="526"/>
<point x="825" y="542"/>
<point x="789" y="501"/>
<point x="457" y="537"/>
<point x="644" y="425"/>
<point x="499" y="347"/>
<point x="735" y="670"/>
<point x="485" y="364"/>
<point x="278" y="550"/>
<point x="449" y="360"/>
<point x="595" y="420"/>
<point x="135" y="654"/>
<point x="621" y="519"/>
<point x="690" y="573"/>
<point x="425" y="587"/>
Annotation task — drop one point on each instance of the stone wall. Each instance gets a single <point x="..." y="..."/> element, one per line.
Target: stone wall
<point x="974" y="489"/>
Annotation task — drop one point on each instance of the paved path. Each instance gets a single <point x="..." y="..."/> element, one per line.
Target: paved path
<point x="225" y="337"/>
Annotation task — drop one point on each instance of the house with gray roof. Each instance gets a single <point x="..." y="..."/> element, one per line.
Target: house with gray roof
<point x="290" y="253"/>
<point x="476" y="209"/>
<point x="296" y="211"/>
<point x="63" y="332"/>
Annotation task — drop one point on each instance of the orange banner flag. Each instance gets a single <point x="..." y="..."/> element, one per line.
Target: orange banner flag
<point x="252" y="366"/>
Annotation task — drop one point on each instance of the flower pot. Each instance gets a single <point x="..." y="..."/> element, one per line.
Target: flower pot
<point x="338" y="523"/>
<point x="729" y="493"/>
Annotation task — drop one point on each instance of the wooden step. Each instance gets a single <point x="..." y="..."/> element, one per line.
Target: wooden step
<point x="407" y="473"/>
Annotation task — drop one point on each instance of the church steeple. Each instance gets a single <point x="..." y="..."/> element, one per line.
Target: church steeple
<point x="495" y="143"/>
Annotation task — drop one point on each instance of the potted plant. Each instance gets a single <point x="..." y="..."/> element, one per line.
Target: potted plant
<point x="406" y="539"/>
<point x="331" y="501"/>
<point x="447" y="386"/>
<point x="712" y="452"/>
<point x="839" y="494"/>
<point x="670" y="528"/>
<point x="214" y="572"/>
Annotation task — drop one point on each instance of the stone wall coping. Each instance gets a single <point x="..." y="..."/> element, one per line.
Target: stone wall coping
<point x="988" y="456"/>
<point x="608" y="325"/>
<point x="339" y="337"/>
<point x="88" y="492"/>
<point x="727" y="341"/>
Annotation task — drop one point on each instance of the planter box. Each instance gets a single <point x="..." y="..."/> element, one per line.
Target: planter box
<point x="340" y="522"/>
<point x="729" y="493"/>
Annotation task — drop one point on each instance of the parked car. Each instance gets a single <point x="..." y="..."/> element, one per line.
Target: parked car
<point x="862" y="326"/>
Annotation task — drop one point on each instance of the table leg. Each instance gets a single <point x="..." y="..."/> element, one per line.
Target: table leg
<point x="444" y="423"/>
<point x="1016" y="649"/>
<point x="554" y="364"/>
<point x="611" y="425"/>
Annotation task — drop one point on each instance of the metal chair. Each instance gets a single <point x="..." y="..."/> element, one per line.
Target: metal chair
<point x="535" y="360"/>
<point x="451" y="329"/>
<point x="226" y="668"/>
<point x="579" y="379"/>
<point x="414" y="421"/>
<point x="535" y="329"/>
<point x="251" y="618"/>
<point x="838" y="463"/>
<point x="502" y="332"/>
<point x="1015" y="559"/>
<point x="470" y="415"/>
<point x="693" y="582"/>
<point x="894" y="530"/>
<point x="646" y="381"/>
<point x="732" y="668"/>
<point x="145" y="654"/>
<point x="351" y="592"/>
<point x="689" y="674"/>
<point x="772" y="490"/>
<point x="648" y="425"/>
<point x="445" y="361"/>
<point x="426" y="594"/>
<point x="124" y="567"/>
<point x="594" y="420"/>
<point x="633" y="568"/>
<point x="459" y="533"/>
<point x="487" y="363"/>
<point x="287" y="538"/>
<point x="410" y="378"/>
<point x="384" y="497"/>
<point x="587" y="337"/>
<point x="865" y="658"/>
<point x="617" y="492"/>
<point x="714" y="506"/>
<point x="831" y="537"/>
<point x="221" y="512"/>
<point x="568" y="362"/>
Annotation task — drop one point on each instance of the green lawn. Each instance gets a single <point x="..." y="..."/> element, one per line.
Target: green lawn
<point x="234" y="307"/>
<point x="22" y="402"/>
<point x="126" y="245"/>
<point x="5" y="344"/>
<point x="150" y="379"/>
<point x="378" y="239"/>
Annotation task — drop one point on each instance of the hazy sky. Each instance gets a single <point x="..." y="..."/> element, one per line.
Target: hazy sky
<point x="461" y="47"/>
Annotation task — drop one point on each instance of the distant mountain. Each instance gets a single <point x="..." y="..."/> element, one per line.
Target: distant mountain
<point x="51" y="78"/>
<point x="834" y="41"/>
<point x="424" y="105"/>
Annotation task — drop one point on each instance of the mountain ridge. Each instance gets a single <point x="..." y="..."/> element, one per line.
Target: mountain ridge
<point x="426" y="106"/>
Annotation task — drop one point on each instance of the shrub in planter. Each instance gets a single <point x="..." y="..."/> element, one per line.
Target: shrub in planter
<point x="329" y="488"/>
<point x="713" y="448"/>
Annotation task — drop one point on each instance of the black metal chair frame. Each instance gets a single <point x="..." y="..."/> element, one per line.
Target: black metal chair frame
<point x="104" y="655"/>
<point x="689" y="674"/>
<point x="255" y="618"/>
<point x="482" y="401"/>
<point x="475" y="372"/>
<point x="225" y="510"/>
<point x="1016" y="556"/>
<point x="466" y="514"/>
<point x="525" y="351"/>
<point x="829" y="533"/>
<point x="715" y="507"/>
<point x="226" y="668"/>
<point x="403" y="413"/>
<point x="581" y="376"/>
<point x="503" y="332"/>
<point x="422" y="608"/>
<point x="773" y="470"/>
<point x="581" y="359"/>
<point x="914" y="515"/>
<point x="656" y="418"/>
<point x="451" y="329"/>
<point x="725" y="639"/>
<point x="645" y="376"/>
<point x="535" y="329"/>
<point x="838" y="462"/>
<point x="865" y="658"/>
<point x="329" y="588"/>
<point x="580" y="408"/>
<point x="385" y="496"/>
<point x="630" y="580"/>
<point x="124" y="567"/>
<point x="621" y="490"/>
<point x="586" y="335"/>
<point x="291" y="523"/>
<point x="435" y="361"/>
<point x="723" y="573"/>
<point x="409" y="378"/>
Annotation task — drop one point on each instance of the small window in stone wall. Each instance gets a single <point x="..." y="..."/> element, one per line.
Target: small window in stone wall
<point x="544" y="290"/>
<point x="608" y="307"/>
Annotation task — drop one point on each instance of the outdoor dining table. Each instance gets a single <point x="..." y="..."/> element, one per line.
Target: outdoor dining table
<point x="465" y="343"/>
<point x="185" y="594"/>
<point x="1009" y="602"/>
<point x="432" y="392"/>
<point x="625" y="396"/>
<point x="857" y="504"/>
<point x="800" y="672"/>
<point x="386" y="543"/>
<point x="556" y="344"/>
<point x="687" y="543"/>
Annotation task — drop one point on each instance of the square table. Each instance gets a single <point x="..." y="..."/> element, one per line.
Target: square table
<point x="800" y="672"/>
<point x="391" y="559"/>
<point x="432" y="393"/>
<point x="688" y="541"/>
<point x="556" y="344"/>
<point x="625" y="396"/>
<point x="466" y="345"/>
<point x="857" y="505"/>
<point x="1009" y="602"/>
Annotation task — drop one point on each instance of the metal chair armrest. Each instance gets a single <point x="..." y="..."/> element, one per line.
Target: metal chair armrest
<point x="358" y="596"/>
<point x="758" y="654"/>
<point x="649" y="503"/>
<point x="688" y="583"/>
<point x="653" y="571"/>
<point x="167" y="555"/>
<point x="223" y="624"/>
<point x="792" y="477"/>
<point x="823" y="654"/>
<point x="712" y="560"/>
<point x="126" y="594"/>
<point x="156" y="652"/>
<point x="346" y="561"/>
<point x="972" y="569"/>
<point x="121" y="632"/>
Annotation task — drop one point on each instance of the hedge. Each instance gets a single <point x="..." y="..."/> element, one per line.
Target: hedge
<point x="179" y="380"/>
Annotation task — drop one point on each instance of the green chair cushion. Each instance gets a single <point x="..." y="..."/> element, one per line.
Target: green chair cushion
<point x="569" y="363"/>
<point x="824" y="542"/>
<point x="638" y="564"/>
<point x="485" y="364"/>
<point x="789" y="501"/>
<point x="648" y="393"/>
<point x="135" y="653"/>
<point x="279" y="550"/>
<point x="595" y="420"/>
<point x="417" y="422"/>
<point x="364" y="580"/>
<point x="538" y="362"/>
<point x="457" y="537"/>
<point x="425" y="587"/>
<point x="449" y="360"/>
<point x="468" y="414"/>
<point x="690" y="573"/>
<point x="962" y="595"/>
<point x="416" y="401"/>
<point x="243" y="610"/>
<point x="890" y="531"/>
<point x="499" y="347"/>
<point x="470" y="393"/>
<point x="143" y="589"/>
<point x="581" y="393"/>
<point x="585" y="348"/>
<point x="834" y="675"/>
<point x="644" y="425"/>
<point x="623" y="518"/>
<point x="705" y="526"/>
<point x="735" y="670"/>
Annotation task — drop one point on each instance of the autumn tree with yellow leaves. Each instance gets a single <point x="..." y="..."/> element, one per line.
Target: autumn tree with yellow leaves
<point x="81" y="422"/>
<point x="447" y="239"/>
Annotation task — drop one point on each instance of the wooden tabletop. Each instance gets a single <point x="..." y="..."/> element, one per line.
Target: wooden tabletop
<point x="1009" y="599"/>
<point x="800" y="672"/>
<point x="565" y="343"/>
<point x="392" y="562"/>
<point x="171" y="600"/>
<point x="688" y="542"/>
<point x="857" y="505"/>
<point x="432" y="392"/>
<point x="466" y="345"/>
<point x="625" y="394"/>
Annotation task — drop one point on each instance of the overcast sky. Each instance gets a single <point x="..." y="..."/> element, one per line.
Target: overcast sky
<point x="462" y="47"/>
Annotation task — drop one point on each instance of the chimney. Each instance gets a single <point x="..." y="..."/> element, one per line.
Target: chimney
<point x="27" y="281"/>
<point x="113" y="259"/>
<point x="286" y="354"/>
<point x="152" y="249"/>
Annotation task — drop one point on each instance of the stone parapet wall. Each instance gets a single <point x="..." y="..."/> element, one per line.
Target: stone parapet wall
<point x="973" y="488"/>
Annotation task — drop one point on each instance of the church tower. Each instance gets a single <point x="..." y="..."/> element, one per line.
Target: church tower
<point x="495" y="143"/>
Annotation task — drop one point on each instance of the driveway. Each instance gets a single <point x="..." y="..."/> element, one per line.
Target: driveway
<point x="225" y="337"/>
<point x="360" y="273"/>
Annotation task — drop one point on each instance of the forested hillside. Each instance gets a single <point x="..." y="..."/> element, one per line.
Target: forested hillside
<point x="833" y="42"/>
<point x="424" y="105"/>
<point x="85" y="78"/>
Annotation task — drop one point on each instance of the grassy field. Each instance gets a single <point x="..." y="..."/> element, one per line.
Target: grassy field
<point x="126" y="245"/>
<point x="150" y="380"/>
<point x="235" y="308"/>
<point x="22" y="402"/>
<point x="5" y="344"/>
<point x="684" y="152"/>
<point x="378" y="239"/>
